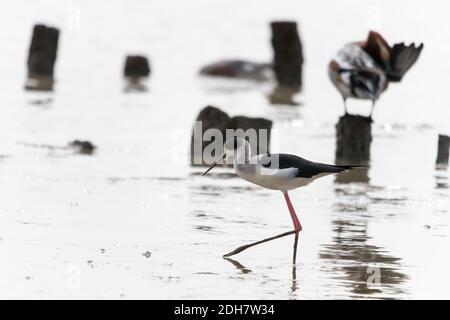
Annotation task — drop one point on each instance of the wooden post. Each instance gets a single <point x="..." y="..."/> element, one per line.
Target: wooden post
<point x="41" y="58"/>
<point x="443" y="152"/>
<point x="261" y="125"/>
<point x="214" y="118"/>
<point x="287" y="61"/>
<point x="136" y="67"/>
<point x="209" y="118"/>
<point x="136" y="70"/>
<point x="353" y="139"/>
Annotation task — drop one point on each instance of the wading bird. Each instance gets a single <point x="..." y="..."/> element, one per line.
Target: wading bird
<point x="281" y="172"/>
<point x="363" y="70"/>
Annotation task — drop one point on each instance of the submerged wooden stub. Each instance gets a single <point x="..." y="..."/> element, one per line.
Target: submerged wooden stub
<point x="443" y="152"/>
<point x="136" y="71"/>
<point x="287" y="61"/>
<point x="209" y="118"/>
<point x="203" y="149"/>
<point x="41" y="58"/>
<point x="353" y="139"/>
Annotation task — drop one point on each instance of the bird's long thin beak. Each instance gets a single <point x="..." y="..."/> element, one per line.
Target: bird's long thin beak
<point x="214" y="164"/>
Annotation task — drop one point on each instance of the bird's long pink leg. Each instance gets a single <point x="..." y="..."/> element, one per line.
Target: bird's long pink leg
<point x="297" y="226"/>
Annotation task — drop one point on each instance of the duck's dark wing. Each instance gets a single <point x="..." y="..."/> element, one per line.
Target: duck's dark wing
<point x="402" y="59"/>
<point x="306" y="168"/>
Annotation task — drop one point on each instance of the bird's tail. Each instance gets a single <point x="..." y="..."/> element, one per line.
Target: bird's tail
<point x="340" y="168"/>
<point x="402" y="59"/>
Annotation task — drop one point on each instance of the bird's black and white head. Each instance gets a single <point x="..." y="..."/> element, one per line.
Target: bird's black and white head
<point x="236" y="149"/>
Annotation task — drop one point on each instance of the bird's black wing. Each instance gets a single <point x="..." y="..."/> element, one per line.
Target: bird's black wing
<point x="306" y="168"/>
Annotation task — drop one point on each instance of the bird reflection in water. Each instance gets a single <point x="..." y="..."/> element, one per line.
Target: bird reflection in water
<point x="238" y="265"/>
<point x="244" y="270"/>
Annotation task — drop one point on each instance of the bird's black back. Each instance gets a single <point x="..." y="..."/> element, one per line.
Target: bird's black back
<point x="306" y="168"/>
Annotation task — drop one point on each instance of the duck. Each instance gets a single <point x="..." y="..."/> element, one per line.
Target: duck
<point x="238" y="69"/>
<point x="364" y="69"/>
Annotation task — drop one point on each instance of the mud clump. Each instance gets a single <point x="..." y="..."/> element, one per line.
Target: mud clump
<point x="82" y="147"/>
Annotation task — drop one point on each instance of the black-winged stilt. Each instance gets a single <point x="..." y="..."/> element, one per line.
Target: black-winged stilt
<point x="281" y="172"/>
<point x="363" y="70"/>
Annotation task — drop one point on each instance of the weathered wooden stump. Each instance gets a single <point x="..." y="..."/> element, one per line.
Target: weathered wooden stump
<point x="136" y="71"/>
<point x="41" y="58"/>
<point x="287" y="61"/>
<point x="443" y="152"/>
<point x="136" y="67"/>
<point x="353" y="140"/>
<point x="262" y="127"/>
<point x="209" y="118"/>
<point x="255" y="130"/>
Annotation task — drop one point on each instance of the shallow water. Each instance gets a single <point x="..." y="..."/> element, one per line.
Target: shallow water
<point x="136" y="221"/>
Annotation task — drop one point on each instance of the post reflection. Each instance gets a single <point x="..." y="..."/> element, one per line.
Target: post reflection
<point x="367" y="270"/>
<point x="353" y="176"/>
<point x="441" y="179"/>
